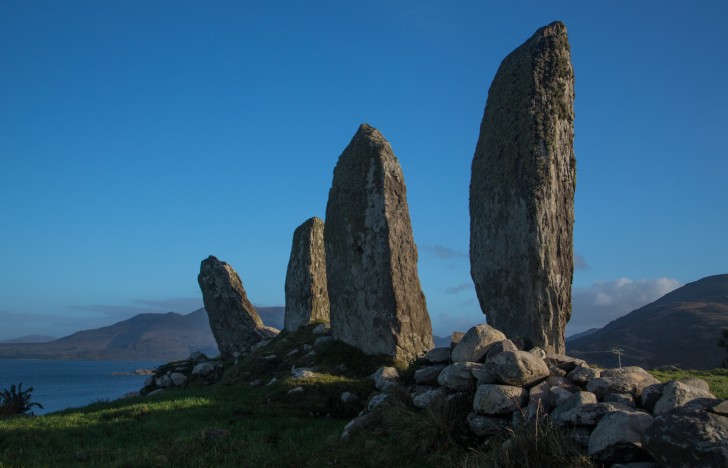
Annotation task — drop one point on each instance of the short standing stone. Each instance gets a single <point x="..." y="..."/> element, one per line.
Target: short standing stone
<point x="376" y="300"/>
<point x="307" y="295"/>
<point x="234" y="322"/>
<point x="476" y="342"/>
<point x="522" y="193"/>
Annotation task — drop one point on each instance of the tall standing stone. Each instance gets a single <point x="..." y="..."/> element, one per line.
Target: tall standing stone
<point x="522" y="193"/>
<point x="307" y="294"/>
<point x="377" y="304"/>
<point x="234" y="321"/>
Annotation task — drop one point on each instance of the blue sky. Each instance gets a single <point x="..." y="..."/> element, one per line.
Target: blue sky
<point x="138" y="137"/>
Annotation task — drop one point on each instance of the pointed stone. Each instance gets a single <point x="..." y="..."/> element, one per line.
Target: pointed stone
<point x="307" y="295"/>
<point x="234" y="321"/>
<point x="522" y="193"/>
<point x="377" y="304"/>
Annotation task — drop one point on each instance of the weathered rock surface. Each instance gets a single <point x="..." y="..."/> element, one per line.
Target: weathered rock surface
<point x="475" y="343"/>
<point x="493" y="399"/>
<point x="630" y="380"/>
<point x="385" y="377"/>
<point x="689" y="436"/>
<point x="458" y="376"/>
<point x="518" y="368"/>
<point x="307" y="294"/>
<point x="428" y="375"/>
<point x="617" y="438"/>
<point x="522" y="193"/>
<point x="233" y="319"/>
<point x="438" y="355"/>
<point x="376" y="300"/>
<point x="676" y="393"/>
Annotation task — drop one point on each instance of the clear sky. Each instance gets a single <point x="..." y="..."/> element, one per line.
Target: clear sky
<point x="139" y="137"/>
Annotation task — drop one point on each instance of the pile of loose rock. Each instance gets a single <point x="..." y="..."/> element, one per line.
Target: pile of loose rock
<point x="620" y="415"/>
<point x="179" y="373"/>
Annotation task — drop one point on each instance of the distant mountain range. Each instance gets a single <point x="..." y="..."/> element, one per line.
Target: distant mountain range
<point x="30" y="339"/>
<point x="681" y="328"/>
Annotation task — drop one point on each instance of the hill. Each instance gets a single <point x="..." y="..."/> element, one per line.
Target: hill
<point x="30" y="339"/>
<point x="144" y="337"/>
<point x="681" y="328"/>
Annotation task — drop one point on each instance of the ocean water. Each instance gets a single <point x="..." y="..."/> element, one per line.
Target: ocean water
<point x="58" y="385"/>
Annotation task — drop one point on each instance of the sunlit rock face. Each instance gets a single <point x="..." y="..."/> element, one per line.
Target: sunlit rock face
<point x="234" y="321"/>
<point x="376" y="300"/>
<point x="522" y="193"/>
<point x="307" y="295"/>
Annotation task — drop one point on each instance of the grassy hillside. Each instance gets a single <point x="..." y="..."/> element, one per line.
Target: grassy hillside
<point x="234" y="423"/>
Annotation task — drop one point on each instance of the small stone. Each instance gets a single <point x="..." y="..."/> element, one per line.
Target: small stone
<point x="257" y="383"/>
<point x="307" y="348"/>
<point x="304" y="373"/>
<point x="425" y="399"/>
<point x="538" y="352"/>
<point x="272" y="381"/>
<point x="428" y="375"/>
<point x="583" y="375"/>
<point x="623" y="398"/>
<point x="519" y="368"/>
<point x="321" y="329"/>
<point x="295" y="391"/>
<point x="385" y="378"/>
<point x="499" y="347"/>
<point x="177" y="379"/>
<point x="617" y="438"/>
<point x="203" y="369"/>
<point x="348" y="397"/>
<point x="499" y="399"/>
<point x="261" y="344"/>
<point x="293" y="352"/>
<point x="198" y="356"/>
<point x="364" y="421"/>
<point x="438" y="355"/>
<point x="156" y="392"/>
<point x="474" y="345"/>
<point x="458" y="376"/>
<point x="378" y="400"/>
<point x="558" y="395"/>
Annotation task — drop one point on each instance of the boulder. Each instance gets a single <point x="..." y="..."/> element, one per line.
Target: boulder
<point x="428" y="375"/>
<point x="203" y="369"/>
<point x="385" y="378"/>
<point x="491" y="399"/>
<point x="458" y="376"/>
<point x="499" y="347"/>
<point x="539" y="401"/>
<point x="623" y="380"/>
<point x="321" y="329"/>
<point x="365" y="421"/>
<point x="522" y="193"/>
<point x="518" y="368"/>
<point x="689" y="436"/>
<point x="562" y="382"/>
<point x="177" y="379"/>
<point x="558" y="395"/>
<point x="485" y="426"/>
<point x="307" y="295"/>
<point x="650" y="395"/>
<point x="376" y="301"/>
<point x="475" y="343"/>
<point x="438" y="355"/>
<point x="564" y="362"/>
<point x="617" y="438"/>
<point x="455" y="338"/>
<point x="323" y="341"/>
<point x="425" y="399"/>
<point x="234" y="322"/>
<point x="623" y="398"/>
<point x="583" y="375"/>
<point x="348" y="397"/>
<point x="695" y="382"/>
<point x="378" y="400"/>
<point x="675" y="394"/>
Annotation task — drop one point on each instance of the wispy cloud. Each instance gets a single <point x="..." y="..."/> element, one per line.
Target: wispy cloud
<point x="440" y="251"/>
<point x="459" y="288"/>
<point x="604" y="301"/>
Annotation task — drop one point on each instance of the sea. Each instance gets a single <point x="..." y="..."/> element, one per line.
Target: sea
<point x="59" y="385"/>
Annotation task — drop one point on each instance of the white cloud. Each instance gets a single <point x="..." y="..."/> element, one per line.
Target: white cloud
<point x="604" y="301"/>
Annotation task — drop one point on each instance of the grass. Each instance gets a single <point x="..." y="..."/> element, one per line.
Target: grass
<point x="233" y="423"/>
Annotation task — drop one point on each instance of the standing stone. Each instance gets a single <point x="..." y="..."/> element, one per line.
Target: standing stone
<point x="307" y="295"/>
<point x="377" y="304"/>
<point x="522" y="193"/>
<point x="234" y="321"/>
